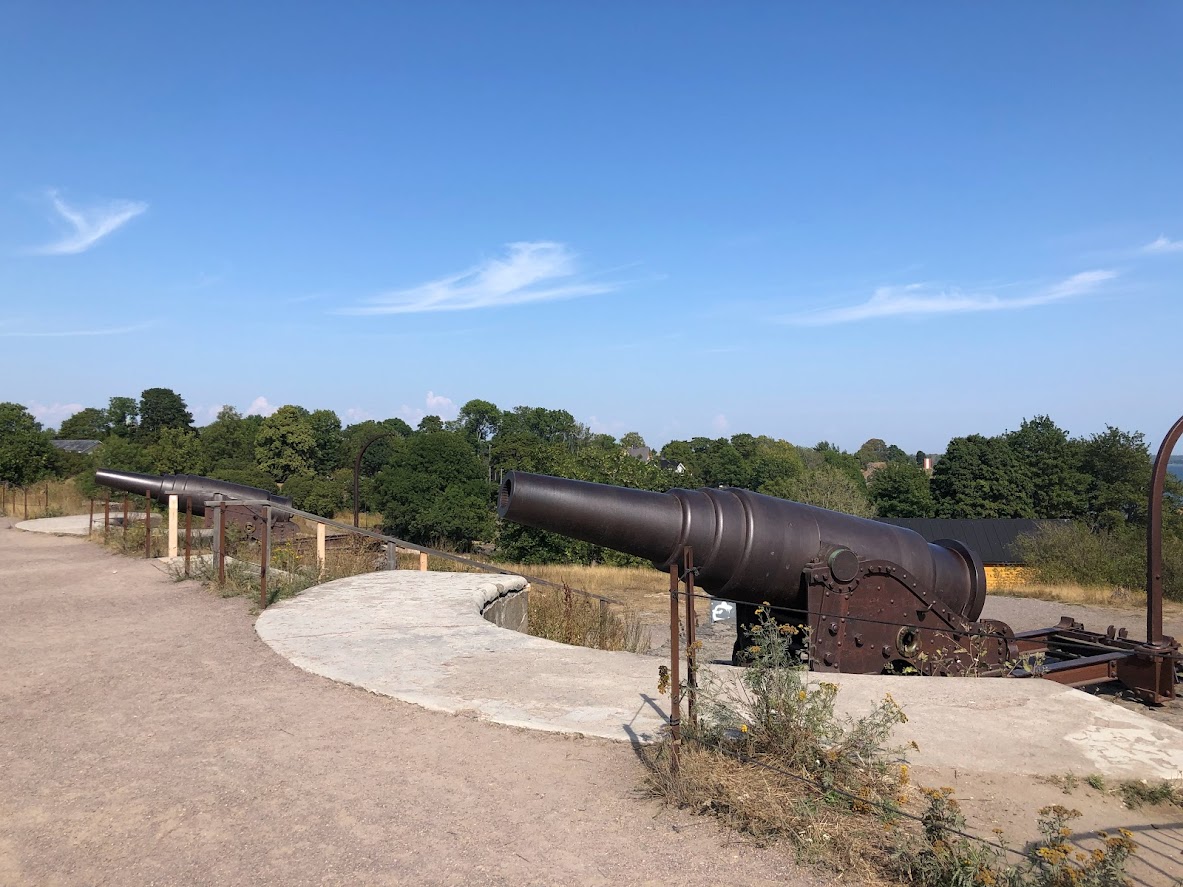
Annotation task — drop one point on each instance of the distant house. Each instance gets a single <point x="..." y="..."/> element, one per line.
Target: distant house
<point x="82" y="447"/>
<point x="994" y="541"/>
<point x="674" y="466"/>
<point x="645" y="454"/>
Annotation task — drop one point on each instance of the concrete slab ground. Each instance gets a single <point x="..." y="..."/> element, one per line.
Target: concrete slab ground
<point x="77" y="524"/>
<point x="420" y="637"/>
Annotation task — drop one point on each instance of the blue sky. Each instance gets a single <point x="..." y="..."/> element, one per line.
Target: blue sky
<point x="828" y="221"/>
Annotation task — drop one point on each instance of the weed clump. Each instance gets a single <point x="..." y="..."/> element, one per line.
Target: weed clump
<point x="768" y="755"/>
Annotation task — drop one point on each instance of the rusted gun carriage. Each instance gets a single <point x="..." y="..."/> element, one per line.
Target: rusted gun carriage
<point x="873" y="597"/>
<point x="194" y="490"/>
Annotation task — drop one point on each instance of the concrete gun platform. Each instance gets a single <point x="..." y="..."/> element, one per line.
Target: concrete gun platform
<point x="420" y="637"/>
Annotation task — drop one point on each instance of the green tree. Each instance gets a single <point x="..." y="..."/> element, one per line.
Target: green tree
<point x="479" y="419"/>
<point x="826" y="487"/>
<point x="981" y="477"/>
<point x="319" y="494"/>
<point x="771" y="463"/>
<point x="543" y="423"/>
<point x="123" y="416"/>
<point x="329" y="453"/>
<point x="87" y="424"/>
<point x="430" y="425"/>
<point x="228" y="443"/>
<point x="26" y="454"/>
<point x="900" y="489"/>
<point x="177" y="451"/>
<point x="632" y="439"/>
<point x="285" y="444"/>
<point x="162" y="408"/>
<point x="434" y="491"/>
<point x="1117" y="464"/>
<point x="378" y="453"/>
<point x="1059" y="489"/>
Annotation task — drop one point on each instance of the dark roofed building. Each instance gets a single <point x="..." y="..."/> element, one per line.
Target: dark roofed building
<point x="77" y="446"/>
<point x="992" y="538"/>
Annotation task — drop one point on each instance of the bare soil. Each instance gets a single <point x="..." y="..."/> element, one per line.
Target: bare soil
<point x="147" y="736"/>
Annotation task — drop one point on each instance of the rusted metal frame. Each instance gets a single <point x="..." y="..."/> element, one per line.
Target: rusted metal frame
<point x="357" y="470"/>
<point x="264" y="559"/>
<point x="106" y="515"/>
<point x="25" y="499"/>
<point x="147" y="524"/>
<point x="188" y="532"/>
<point x="1082" y="672"/>
<point x="47" y="497"/>
<point x="126" y="513"/>
<point x="675" y="676"/>
<point x="691" y="632"/>
<point x="1158" y="479"/>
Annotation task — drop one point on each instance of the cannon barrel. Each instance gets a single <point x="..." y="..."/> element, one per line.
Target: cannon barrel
<point x="193" y="487"/>
<point x="747" y="546"/>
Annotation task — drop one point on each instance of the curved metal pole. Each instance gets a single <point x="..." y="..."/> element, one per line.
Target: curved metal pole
<point x="357" y="467"/>
<point x="1158" y="479"/>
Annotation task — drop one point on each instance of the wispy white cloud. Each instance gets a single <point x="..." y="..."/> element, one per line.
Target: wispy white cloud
<point x="1163" y="244"/>
<point x="357" y="414"/>
<point x="923" y="300"/>
<point x="54" y="413"/>
<point x="90" y="224"/>
<point x="260" y="406"/>
<point x="538" y="271"/>
<point x="55" y="334"/>
<point x="720" y="423"/>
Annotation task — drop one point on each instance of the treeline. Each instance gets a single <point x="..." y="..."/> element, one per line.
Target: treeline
<point x="435" y="484"/>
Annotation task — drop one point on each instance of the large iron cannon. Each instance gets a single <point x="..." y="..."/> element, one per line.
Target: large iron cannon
<point x="872" y="597"/>
<point x="194" y="491"/>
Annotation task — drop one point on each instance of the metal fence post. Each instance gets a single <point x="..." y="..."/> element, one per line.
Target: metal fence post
<point x="126" y="513"/>
<point x="106" y="515"/>
<point x="691" y="632"/>
<point x="46" y="499"/>
<point x="90" y="523"/>
<point x="147" y="524"/>
<point x="675" y="679"/>
<point x="264" y="558"/>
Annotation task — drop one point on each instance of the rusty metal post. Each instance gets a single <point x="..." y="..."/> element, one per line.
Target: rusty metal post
<point x="147" y="524"/>
<point x="126" y="515"/>
<point x="675" y="678"/>
<point x="603" y="624"/>
<point x="106" y="515"/>
<point x="90" y="524"/>
<point x="188" y="532"/>
<point x="46" y="499"/>
<point x="25" y="496"/>
<point x="222" y="542"/>
<point x="691" y="632"/>
<point x="264" y="559"/>
<point x="1158" y="479"/>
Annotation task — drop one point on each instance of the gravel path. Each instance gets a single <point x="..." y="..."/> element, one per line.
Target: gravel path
<point x="147" y="736"/>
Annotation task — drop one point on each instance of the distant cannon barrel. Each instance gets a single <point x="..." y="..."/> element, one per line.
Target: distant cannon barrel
<point x="192" y="487"/>
<point x="747" y="546"/>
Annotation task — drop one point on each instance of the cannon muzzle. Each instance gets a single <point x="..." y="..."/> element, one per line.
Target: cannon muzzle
<point x="191" y="487"/>
<point x="747" y="546"/>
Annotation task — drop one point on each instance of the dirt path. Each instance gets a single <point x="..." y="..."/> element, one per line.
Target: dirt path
<point x="147" y="736"/>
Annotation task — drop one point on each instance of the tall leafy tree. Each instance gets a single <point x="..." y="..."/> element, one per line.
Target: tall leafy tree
<point x="177" y="451"/>
<point x="26" y="454"/>
<point x="162" y="408"/>
<point x="228" y="443"/>
<point x="826" y="487"/>
<point x="479" y="419"/>
<point x="981" y="477"/>
<point x="434" y="491"/>
<point x="88" y="424"/>
<point x="285" y="444"/>
<point x="900" y="489"/>
<point x="329" y="454"/>
<point x="123" y="415"/>
<point x="1118" y="466"/>
<point x="1059" y="489"/>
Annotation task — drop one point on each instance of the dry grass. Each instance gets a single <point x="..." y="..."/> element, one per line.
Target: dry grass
<point x="558" y="614"/>
<point x="31" y="502"/>
<point x="1086" y="595"/>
